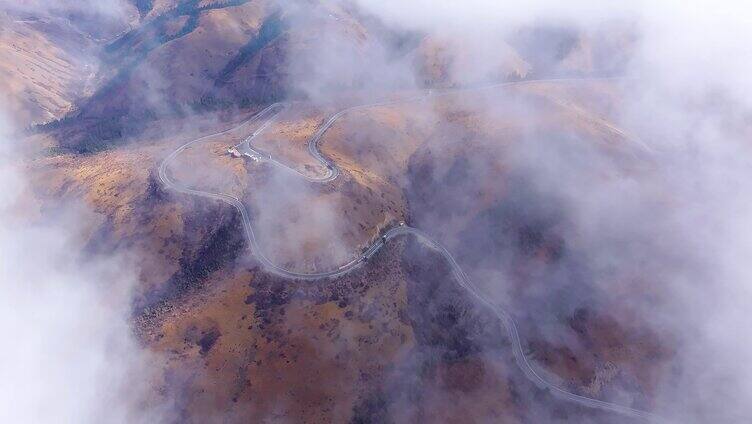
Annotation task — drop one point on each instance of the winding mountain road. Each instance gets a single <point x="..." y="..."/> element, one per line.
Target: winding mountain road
<point x="269" y="115"/>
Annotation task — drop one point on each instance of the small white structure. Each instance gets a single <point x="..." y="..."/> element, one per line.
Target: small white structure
<point x="234" y="152"/>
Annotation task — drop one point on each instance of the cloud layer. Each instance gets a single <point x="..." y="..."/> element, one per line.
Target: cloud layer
<point x="69" y="353"/>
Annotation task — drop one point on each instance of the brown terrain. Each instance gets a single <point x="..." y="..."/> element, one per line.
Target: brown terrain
<point x="39" y="71"/>
<point x="394" y="341"/>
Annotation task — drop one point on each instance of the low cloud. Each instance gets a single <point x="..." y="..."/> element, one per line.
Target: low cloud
<point x="676" y="223"/>
<point x="69" y="354"/>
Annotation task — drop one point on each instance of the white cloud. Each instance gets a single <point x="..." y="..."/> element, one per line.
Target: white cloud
<point x="68" y="353"/>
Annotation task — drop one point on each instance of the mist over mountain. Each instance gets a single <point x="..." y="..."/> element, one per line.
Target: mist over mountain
<point x="375" y="211"/>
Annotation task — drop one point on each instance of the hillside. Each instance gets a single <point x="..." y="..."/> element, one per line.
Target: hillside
<point x="238" y="341"/>
<point x="451" y="153"/>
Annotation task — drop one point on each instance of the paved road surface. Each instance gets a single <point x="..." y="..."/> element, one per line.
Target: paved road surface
<point x="269" y="115"/>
